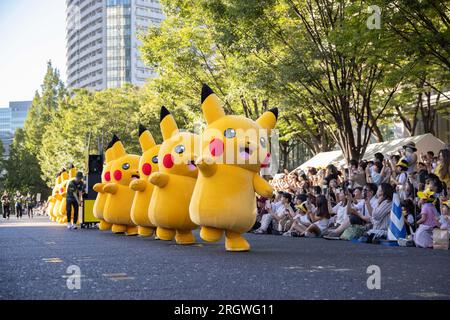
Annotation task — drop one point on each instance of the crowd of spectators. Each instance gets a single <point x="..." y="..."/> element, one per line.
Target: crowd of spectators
<point x="354" y="202"/>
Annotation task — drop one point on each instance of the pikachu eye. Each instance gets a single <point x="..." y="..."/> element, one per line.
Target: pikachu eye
<point x="155" y="159"/>
<point x="262" y="141"/>
<point x="230" y="133"/>
<point x="126" y="166"/>
<point x="180" y="149"/>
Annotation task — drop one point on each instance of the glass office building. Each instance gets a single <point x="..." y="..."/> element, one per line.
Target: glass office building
<point x="102" y="41"/>
<point x="11" y="119"/>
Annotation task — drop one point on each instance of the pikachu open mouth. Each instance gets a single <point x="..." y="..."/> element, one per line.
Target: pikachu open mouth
<point x="191" y="165"/>
<point x="245" y="152"/>
<point x="135" y="177"/>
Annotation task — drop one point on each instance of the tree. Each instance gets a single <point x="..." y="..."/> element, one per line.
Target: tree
<point x="42" y="108"/>
<point x="90" y="114"/>
<point x="22" y="168"/>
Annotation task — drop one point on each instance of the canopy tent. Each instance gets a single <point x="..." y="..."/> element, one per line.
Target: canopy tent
<point x="424" y="143"/>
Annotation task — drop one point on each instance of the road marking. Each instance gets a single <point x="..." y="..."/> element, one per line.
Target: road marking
<point x="117" y="276"/>
<point x="52" y="260"/>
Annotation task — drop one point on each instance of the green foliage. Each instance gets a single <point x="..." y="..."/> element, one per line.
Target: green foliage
<point x="22" y="168"/>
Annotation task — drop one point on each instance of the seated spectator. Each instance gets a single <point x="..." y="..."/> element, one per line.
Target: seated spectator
<point x="319" y="219"/>
<point x="423" y="237"/>
<point x="300" y="222"/>
<point x="444" y="220"/>
<point x="380" y="214"/>
<point x="276" y="213"/>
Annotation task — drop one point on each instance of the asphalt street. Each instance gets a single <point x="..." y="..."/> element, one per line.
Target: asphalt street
<point x="36" y="259"/>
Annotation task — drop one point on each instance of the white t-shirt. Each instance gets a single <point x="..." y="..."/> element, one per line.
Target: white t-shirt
<point x="341" y="212"/>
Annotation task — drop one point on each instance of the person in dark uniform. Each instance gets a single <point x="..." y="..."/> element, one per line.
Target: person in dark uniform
<point x="6" y="205"/>
<point x="29" y="204"/>
<point x="18" y="199"/>
<point x="73" y="199"/>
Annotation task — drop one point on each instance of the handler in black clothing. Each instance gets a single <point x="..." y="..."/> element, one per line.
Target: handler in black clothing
<point x="73" y="199"/>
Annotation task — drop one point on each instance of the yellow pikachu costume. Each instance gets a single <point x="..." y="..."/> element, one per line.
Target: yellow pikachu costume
<point x="224" y="197"/>
<point x="58" y="198"/>
<point x="117" y="210"/>
<point x="148" y="164"/>
<point x="169" y="206"/>
<point x="52" y="201"/>
<point x="99" y="204"/>
<point x="61" y="209"/>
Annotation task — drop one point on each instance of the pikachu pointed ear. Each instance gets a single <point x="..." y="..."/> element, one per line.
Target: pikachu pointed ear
<point x="268" y="119"/>
<point x="145" y="139"/>
<point x="212" y="110"/>
<point x="117" y="148"/>
<point x="167" y="123"/>
<point x="108" y="155"/>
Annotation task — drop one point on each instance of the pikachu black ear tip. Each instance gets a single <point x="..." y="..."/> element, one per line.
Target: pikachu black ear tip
<point x="142" y="129"/>
<point x="72" y="166"/>
<point x="275" y="112"/>
<point x="164" y="113"/>
<point x="112" y="142"/>
<point x="206" y="92"/>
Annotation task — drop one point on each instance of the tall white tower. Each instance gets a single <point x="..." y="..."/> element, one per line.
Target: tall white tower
<point x="102" y="41"/>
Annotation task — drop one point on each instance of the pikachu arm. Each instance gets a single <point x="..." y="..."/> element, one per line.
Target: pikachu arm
<point x="98" y="187"/>
<point x="58" y="197"/>
<point x="138" y="185"/>
<point x="110" y="188"/>
<point x="159" y="179"/>
<point x="64" y="194"/>
<point x="262" y="187"/>
<point x="51" y="199"/>
<point x="207" y="166"/>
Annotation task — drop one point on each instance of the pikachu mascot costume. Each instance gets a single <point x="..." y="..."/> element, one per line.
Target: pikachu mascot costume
<point x="61" y="208"/>
<point x="58" y="198"/>
<point x="117" y="210"/>
<point x="224" y="197"/>
<point x="99" y="204"/>
<point x="52" y="201"/>
<point x="174" y="183"/>
<point x="148" y="164"/>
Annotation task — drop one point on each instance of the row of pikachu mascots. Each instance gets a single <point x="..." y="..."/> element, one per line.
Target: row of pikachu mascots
<point x="171" y="191"/>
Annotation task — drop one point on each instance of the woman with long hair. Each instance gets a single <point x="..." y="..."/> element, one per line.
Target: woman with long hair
<point x="320" y="219"/>
<point x="443" y="166"/>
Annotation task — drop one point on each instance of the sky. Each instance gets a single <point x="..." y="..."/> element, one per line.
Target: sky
<point x="31" y="33"/>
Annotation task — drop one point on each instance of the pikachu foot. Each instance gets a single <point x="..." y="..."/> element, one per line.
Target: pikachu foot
<point x="104" y="226"/>
<point x="165" y="234"/>
<point x="235" y="242"/>
<point x="145" y="231"/>
<point x="118" y="228"/>
<point x="132" y="231"/>
<point x="211" y="234"/>
<point x="184" y="237"/>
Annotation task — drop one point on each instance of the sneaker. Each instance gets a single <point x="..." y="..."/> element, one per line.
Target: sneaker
<point x="402" y="242"/>
<point x="74" y="227"/>
<point x="69" y="226"/>
<point x="287" y="234"/>
<point x="258" y="231"/>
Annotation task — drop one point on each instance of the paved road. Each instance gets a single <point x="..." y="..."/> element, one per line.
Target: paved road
<point x="34" y="258"/>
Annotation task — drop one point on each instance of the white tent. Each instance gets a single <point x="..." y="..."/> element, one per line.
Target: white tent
<point x="424" y="143"/>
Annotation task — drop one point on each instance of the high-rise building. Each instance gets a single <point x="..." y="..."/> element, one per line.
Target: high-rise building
<point x="11" y="119"/>
<point x="102" y="41"/>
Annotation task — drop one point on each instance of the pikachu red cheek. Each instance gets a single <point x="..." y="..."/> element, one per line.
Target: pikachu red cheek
<point x="108" y="176"/>
<point x="168" y="161"/>
<point x="118" y="175"/>
<point x="147" y="169"/>
<point x="216" y="147"/>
